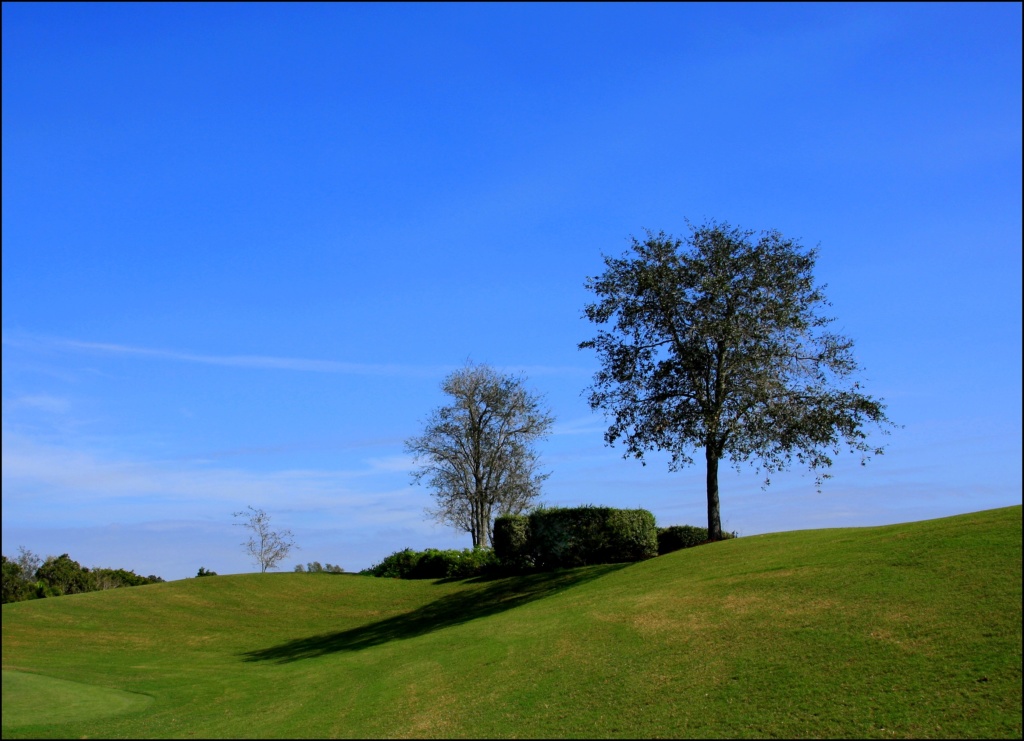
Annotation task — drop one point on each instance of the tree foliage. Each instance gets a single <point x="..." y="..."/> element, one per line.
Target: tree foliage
<point x="718" y="342"/>
<point x="64" y="575"/>
<point x="476" y="453"/>
<point x="16" y="587"/>
<point x="30" y="577"/>
<point x="315" y="567"/>
<point x="266" y="547"/>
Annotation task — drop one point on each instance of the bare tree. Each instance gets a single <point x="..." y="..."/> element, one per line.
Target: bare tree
<point x="267" y="547"/>
<point x="28" y="561"/>
<point x="476" y="453"/>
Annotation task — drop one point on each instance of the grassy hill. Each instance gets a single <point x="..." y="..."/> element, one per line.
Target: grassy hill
<point x="909" y="630"/>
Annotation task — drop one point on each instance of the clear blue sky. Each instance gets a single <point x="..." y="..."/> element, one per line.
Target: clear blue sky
<point x="243" y="244"/>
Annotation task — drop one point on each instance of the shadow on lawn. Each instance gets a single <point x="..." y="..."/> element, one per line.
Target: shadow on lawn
<point x="492" y="597"/>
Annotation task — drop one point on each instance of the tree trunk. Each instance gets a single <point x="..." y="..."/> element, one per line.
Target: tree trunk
<point x="473" y="519"/>
<point x="478" y="510"/>
<point x="485" y="527"/>
<point x="714" y="519"/>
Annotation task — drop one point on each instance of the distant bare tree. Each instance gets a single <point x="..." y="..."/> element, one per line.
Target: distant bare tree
<point x="267" y="547"/>
<point x="476" y="452"/>
<point x="28" y="561"/>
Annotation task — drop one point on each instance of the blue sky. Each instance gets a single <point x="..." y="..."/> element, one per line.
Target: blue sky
<point x="243" y="244"/>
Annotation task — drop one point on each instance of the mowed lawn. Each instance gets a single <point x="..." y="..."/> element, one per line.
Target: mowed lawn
<point x="909" y="630"/>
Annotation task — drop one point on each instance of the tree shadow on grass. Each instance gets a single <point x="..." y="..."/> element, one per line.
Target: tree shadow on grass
<point x="490" y="598"/>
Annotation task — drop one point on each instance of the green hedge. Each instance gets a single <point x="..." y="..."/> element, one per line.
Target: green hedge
<point x="564" y="537"/>
<point x="677" y="537"/>
<point x="512" y="542"/>
<point x="435" y="564"/>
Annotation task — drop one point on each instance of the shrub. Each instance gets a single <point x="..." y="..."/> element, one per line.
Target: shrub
<point x="316" y="568"/>
<point x="579" y="536"/>
<point x="15" y="586"/>
<point x="676" y="537"/>
<point x="435" y="564"/>
<point x="203" y="572"/>
<point x="471" y="562"/>
<point x="633" y="535"/>
<point x="511" y="541"/>
<point x="396" y="566"/>
<point x="432" y="564"/>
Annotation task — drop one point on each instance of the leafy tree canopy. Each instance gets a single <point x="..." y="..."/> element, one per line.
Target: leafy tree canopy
<point x="718" y="342"/>
<point x="477" y="454"/>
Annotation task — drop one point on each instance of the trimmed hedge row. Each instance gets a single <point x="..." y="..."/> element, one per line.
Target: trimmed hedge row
<point x="563" y="537"/>
<point x="552" y="538"/>
<point x="677" y="537"/>
<point x="511" y="538"/>
<point x="435" y="564"/>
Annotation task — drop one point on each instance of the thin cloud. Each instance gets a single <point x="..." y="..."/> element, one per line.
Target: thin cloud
<point x="39" y="476"/>
<point x="267" y="362"/>
<point x="39" y="402"/>
<point x="593" y="424"/>
<point x="253" y="361"/>
<point x="270" y="362"/>
<point x="393" y="463"/>
<point x="531" y="371"/>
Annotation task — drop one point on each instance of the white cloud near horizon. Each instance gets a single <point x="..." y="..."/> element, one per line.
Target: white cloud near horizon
<point x="64" y="482"/>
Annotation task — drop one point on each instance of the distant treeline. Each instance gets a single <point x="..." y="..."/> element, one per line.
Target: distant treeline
<point x="31" y="577"/>
<point x="314" y="567"/>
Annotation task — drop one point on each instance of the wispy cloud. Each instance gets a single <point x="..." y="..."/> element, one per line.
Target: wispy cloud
<point x="394" y="463"/>
<point x="531" y="371"/>
<point x="592" y="425"/>
<point x="254" y="361"/>
<point x="38" y="402"/>
<point x="272" y="362"/>
<point x="49" y="482"/>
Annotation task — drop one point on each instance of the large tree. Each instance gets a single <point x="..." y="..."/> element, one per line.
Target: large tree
<point x="476" y="452"/>
<point x="717" y="342"/>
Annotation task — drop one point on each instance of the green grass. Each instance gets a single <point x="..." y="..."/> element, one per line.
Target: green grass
<point x="58" y="701"/>
<point x="908" y="630"/>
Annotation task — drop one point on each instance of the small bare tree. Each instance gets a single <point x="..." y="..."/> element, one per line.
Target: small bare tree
<point x="267" y="547"/>
<point x="29" y="562"/>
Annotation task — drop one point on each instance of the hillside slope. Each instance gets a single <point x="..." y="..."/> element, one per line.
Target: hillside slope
<point x="909" y="630"/>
